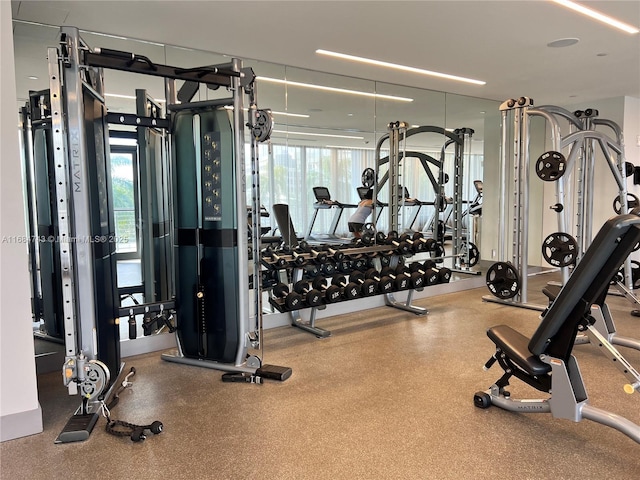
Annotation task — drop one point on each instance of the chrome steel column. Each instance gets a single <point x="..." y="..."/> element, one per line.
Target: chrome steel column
<point x="241" y="214"/>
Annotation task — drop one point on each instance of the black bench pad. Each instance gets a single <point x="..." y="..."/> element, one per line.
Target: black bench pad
<point x="551" y="291"/>
<point x="516" y="347"/>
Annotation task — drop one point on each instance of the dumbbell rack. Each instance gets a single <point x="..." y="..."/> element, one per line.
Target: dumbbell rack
<point x="374" y="252"/>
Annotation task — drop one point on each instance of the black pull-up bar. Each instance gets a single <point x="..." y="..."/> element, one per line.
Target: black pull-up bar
<point x="130" y="62"/>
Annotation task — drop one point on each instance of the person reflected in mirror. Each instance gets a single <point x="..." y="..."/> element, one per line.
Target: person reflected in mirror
<point x="359" y="218"/>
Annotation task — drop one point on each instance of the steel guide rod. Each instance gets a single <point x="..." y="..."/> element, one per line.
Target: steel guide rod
<point x="556" y="141"/>
<point x="27" y="148"/>
<point x="502" y="205"/>
<point x="255" y="337"/>
<point x="525" y="174"/>
<point x="241" y="213"/>
<point x="628" y="279"/>
<point x="62" y="189"/>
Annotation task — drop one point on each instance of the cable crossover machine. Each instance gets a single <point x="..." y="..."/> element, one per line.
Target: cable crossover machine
<point x="570" y="165"/>
<point x="200" y="262"/>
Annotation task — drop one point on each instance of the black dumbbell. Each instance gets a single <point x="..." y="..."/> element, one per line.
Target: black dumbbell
<point x="292" y="300"/>
<point x="385" y="258"/>
<point x="385" y="284"/>
<point x="368" y="287"/>
<point x="318" y="256"/>
<point x="443" y="273"/>
<point x="312" y="296"/>
<point x="416" y="245"/>
<point x="416" y="278"/>
<point x="429" y="271"/>
<point x="427" y="243"/>
<point x="268" y="276"/>
<point x="298" y="259"/>
<point x="400" y="280"/>
<point x="331" y="293"/>
<point x="345" y="265"/>
<point x="359" y="261"/>
<point x="311" y="270"/>
<point x="336" y="254"/>
<point x="401" y="245"/>
<point x="350" y="290"/>
<point x="275" y="260"/>
<point x="328" y="268"/>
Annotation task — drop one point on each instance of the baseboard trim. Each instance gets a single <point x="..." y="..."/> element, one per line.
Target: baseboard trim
<point x="21" y="424"/>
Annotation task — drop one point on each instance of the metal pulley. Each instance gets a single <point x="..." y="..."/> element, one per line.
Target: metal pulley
<point x="262" y="125"/>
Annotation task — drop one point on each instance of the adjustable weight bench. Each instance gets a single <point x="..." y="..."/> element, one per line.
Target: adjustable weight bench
<point x="545" y="361"/>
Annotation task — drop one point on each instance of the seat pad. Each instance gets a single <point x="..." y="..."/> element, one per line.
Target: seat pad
<point x="551" y="291"/>
<point x="516" y="347"/>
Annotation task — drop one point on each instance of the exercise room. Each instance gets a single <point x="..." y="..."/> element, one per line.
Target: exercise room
<point x="320" y="240"/>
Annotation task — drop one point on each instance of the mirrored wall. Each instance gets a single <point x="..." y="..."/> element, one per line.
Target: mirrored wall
<point x="325" y="134"/>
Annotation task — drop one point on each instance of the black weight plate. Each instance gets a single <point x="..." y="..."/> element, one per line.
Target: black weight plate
<point x="632" y="202"/>
<point x="635" y="274"/>
<point x="474" y="253"/>
<point x="551" y="166"/>
<point x="437" y="252"/>
<point x="560" y="249"/>
<point x="368" y="177"/>
<point x="503" y="280"/>
<point x="629" y="168"/>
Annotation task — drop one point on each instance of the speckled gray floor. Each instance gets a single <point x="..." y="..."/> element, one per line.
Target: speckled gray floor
<point x="388" y="396"/>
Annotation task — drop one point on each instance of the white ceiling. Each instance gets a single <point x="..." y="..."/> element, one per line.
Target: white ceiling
<point x="500" y="42"/>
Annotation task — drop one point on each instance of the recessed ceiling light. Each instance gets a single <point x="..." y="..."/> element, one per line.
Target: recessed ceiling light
<point x="289" y="132"/>
<point x="130" y="97"/>
<point x="601" y="17"/>
<point x="396" y="66"/>
<point x="32" y="77"/>
<point x="563" y="42"/>
<point x="334" y="89"/>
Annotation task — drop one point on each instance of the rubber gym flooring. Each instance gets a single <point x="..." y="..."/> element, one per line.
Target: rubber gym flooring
<point x="388" y="396"/>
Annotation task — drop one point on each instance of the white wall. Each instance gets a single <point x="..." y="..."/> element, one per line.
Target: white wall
<point x="20" y="412"/>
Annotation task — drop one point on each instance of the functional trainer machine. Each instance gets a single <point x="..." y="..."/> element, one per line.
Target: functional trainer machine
<point x="215" y="263"/>
<point x="573" y="175"/>
<point x="545" y="360"/>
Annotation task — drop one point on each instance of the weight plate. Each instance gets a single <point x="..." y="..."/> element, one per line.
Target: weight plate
<point x="560" y="249"/>
<point x="503" y="280"/>
<point x="632" y="202"/>
<point x="629" y="168"/>
<point x="635" y="274"/>
<point x="368" y="177"/>
<point x="473" y="252"/>
<point x="551" y="166"/>
<point x="437" y="252"/>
